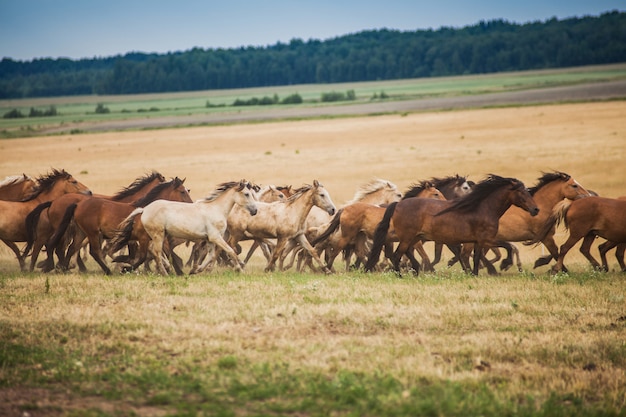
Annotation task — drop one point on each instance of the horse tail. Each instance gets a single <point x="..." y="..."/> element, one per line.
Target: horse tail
<point x="380" y="236"/>
<point x="124" y="231"/>
<point x="332" y="227"/>
<point x="558" y="216"/>
<point x="32" y="220"/>
<point x="55" y="239"/>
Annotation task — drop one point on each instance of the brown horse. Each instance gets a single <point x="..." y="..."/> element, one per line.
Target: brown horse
<point x="13" y="213"/>
<point x="517" y="225"/>
<point x="619" y="252"/>
<point x="587" y="218"/>
<point x="42" y="222"/>
<point x="98" y="219"/>
<point x="473" y="218"/>
<point x="356" y="223"/>
<point x="17" y="187"/>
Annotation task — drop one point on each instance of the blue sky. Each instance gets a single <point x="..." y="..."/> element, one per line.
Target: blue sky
<point x="85" y="28"/>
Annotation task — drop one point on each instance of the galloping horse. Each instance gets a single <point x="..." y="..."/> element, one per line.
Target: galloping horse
<point x="587" y="218"/>
<point x="517" y="225"/>
<point x="377" y="191"/>
<point x="473" y="218"/>
<point x="13" y="217"/>
<point x="284" y="221"/>
<point x="45" y="219"/>
<point x="204" y="219"/>
<point x="17" y="187"/>
<point x="356" y="222"/>
<point x="98" y="218"/>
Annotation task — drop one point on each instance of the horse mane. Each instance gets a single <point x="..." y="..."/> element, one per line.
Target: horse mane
<point x="138" y="184"/>
<point x="547" y="178"/>
<point x="481" y="191"/>
<point x="14" y="180"/>
<point x="372" y="186"/>
<point x="225" y="186"/>
<point x="439" y="182"/>
<point x="154" y="193"/>
<point x="297" y="193"/>
<point x="417" y="188"/>
<point x="45" y="182"/>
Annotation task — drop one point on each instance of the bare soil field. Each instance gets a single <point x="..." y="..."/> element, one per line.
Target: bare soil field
<point x="586" y="140"/>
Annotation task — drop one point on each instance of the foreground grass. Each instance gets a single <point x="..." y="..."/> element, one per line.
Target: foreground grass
<point x="306" y="344"/>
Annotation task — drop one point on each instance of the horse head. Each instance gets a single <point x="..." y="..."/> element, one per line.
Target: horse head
<point x="322" y="199"/>
<point x="521" y="197"/>
<point x="245" y="197"/>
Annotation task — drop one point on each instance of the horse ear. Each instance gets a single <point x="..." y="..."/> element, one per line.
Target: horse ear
<point x="316" y="183"/>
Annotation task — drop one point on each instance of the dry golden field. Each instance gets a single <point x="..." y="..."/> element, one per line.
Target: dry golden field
<point x="302" y="344"/>
<point x="586" y="140"/>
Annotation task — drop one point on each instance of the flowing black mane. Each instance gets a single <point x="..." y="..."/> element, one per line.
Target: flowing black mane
<point x="154" y="193"/>
<point x="137" y="185"/>
<point x="547" y="178"/>
<point x="46" y="182"/>
<point x="448" y="184"/>
<point x="481" y="191"/>
<point x="416" y="189"/>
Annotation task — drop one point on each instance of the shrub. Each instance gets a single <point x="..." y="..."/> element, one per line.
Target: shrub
<point x="102" y="109"/>
<point x="292" y="99"/>
<point x="13" y="114"/>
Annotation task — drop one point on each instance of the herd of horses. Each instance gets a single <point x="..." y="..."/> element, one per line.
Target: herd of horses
<point x="379" y="228"/>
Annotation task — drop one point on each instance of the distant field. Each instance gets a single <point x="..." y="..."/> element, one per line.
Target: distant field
<point x="75" y="112"/>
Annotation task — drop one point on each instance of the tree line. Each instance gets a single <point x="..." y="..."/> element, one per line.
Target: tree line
<point x="486" y="47"/>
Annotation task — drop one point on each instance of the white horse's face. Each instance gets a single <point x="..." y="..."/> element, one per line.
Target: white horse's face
<point x="392" y="195"/>
<point x="463" y="189"/>
<point x="246" y="199"/>
<point x="322" y="199"/>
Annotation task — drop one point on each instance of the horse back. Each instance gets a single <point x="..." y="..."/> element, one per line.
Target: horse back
<point x="604" y="216"/>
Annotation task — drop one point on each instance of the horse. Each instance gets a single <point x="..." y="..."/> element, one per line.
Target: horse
<point x="13" y="218"/>
<point x="377" y="191"/>
<point x="98" y="218"/>
<point x="473" y="218"/>
<point x="619" y="252"/>
<point x="587" y="218"/>
<point x="203" y="219"/>
<point x="356" y="222"/>
<point x="17" y="187"/>
<point x="284" y="221"/>
<point x="517" y="225"/>
<point x="44" y="220"/>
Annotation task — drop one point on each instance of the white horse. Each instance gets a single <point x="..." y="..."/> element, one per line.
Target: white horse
<point x="204" y="219"/>
<point x="284" y="221"/>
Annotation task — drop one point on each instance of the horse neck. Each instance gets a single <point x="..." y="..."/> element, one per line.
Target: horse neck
<point x="497" y="203"/>
<point x="375" y="198"/>
<point x="548" y="196"/>
<point x="224" y="203"/>
<point x="141" y="192"/>
<point x="301" y="206"/>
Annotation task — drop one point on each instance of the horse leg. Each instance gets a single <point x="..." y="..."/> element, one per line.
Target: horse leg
<point x="585" y="249"/>
<point x="222" y="244"/>
<point x="95" y="250"/>
<point x="304" y="242"/>
<point x="437" y="257"/>
<point x="604" y="248"/>
<point x="18" y="253"/>
<point x="419" y="247"/>
<point x="565" y="247"/>
<point x="619" y="255"/>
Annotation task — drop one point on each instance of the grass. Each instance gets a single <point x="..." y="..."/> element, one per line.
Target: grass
<point x="307" y="344"/>
<point x="79" y="109"/>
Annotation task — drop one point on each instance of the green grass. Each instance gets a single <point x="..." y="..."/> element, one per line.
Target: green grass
<point x="306" y="344"/>
<point x="73" y="110"/>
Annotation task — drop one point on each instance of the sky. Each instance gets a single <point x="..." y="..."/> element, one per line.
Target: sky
<point x="76" y="29"/>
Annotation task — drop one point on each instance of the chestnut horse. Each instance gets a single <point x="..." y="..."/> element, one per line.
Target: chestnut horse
<point x="44" y="220"/>
<point x="13" y="213"/>
<point x="98" y="218"/>
<point x="470" y="219"/>
<point x="355" y="223"/>
<point x="17" y="187"/>
<point x="619" y="252"/>
<point x="517" y="225"/>
<point x="587" y="218"/>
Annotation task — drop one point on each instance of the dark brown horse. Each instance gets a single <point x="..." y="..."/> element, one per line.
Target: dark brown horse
<point x="13" y="213"/>
<point x="98" y="219"/>
<point x="470" y="219"/>
<point x="590" y="217"/>
<point x="44" y="220"/>
<point x="17" y="187"/>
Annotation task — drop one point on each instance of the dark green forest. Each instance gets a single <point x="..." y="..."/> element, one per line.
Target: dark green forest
<point x="486" y="47"/>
